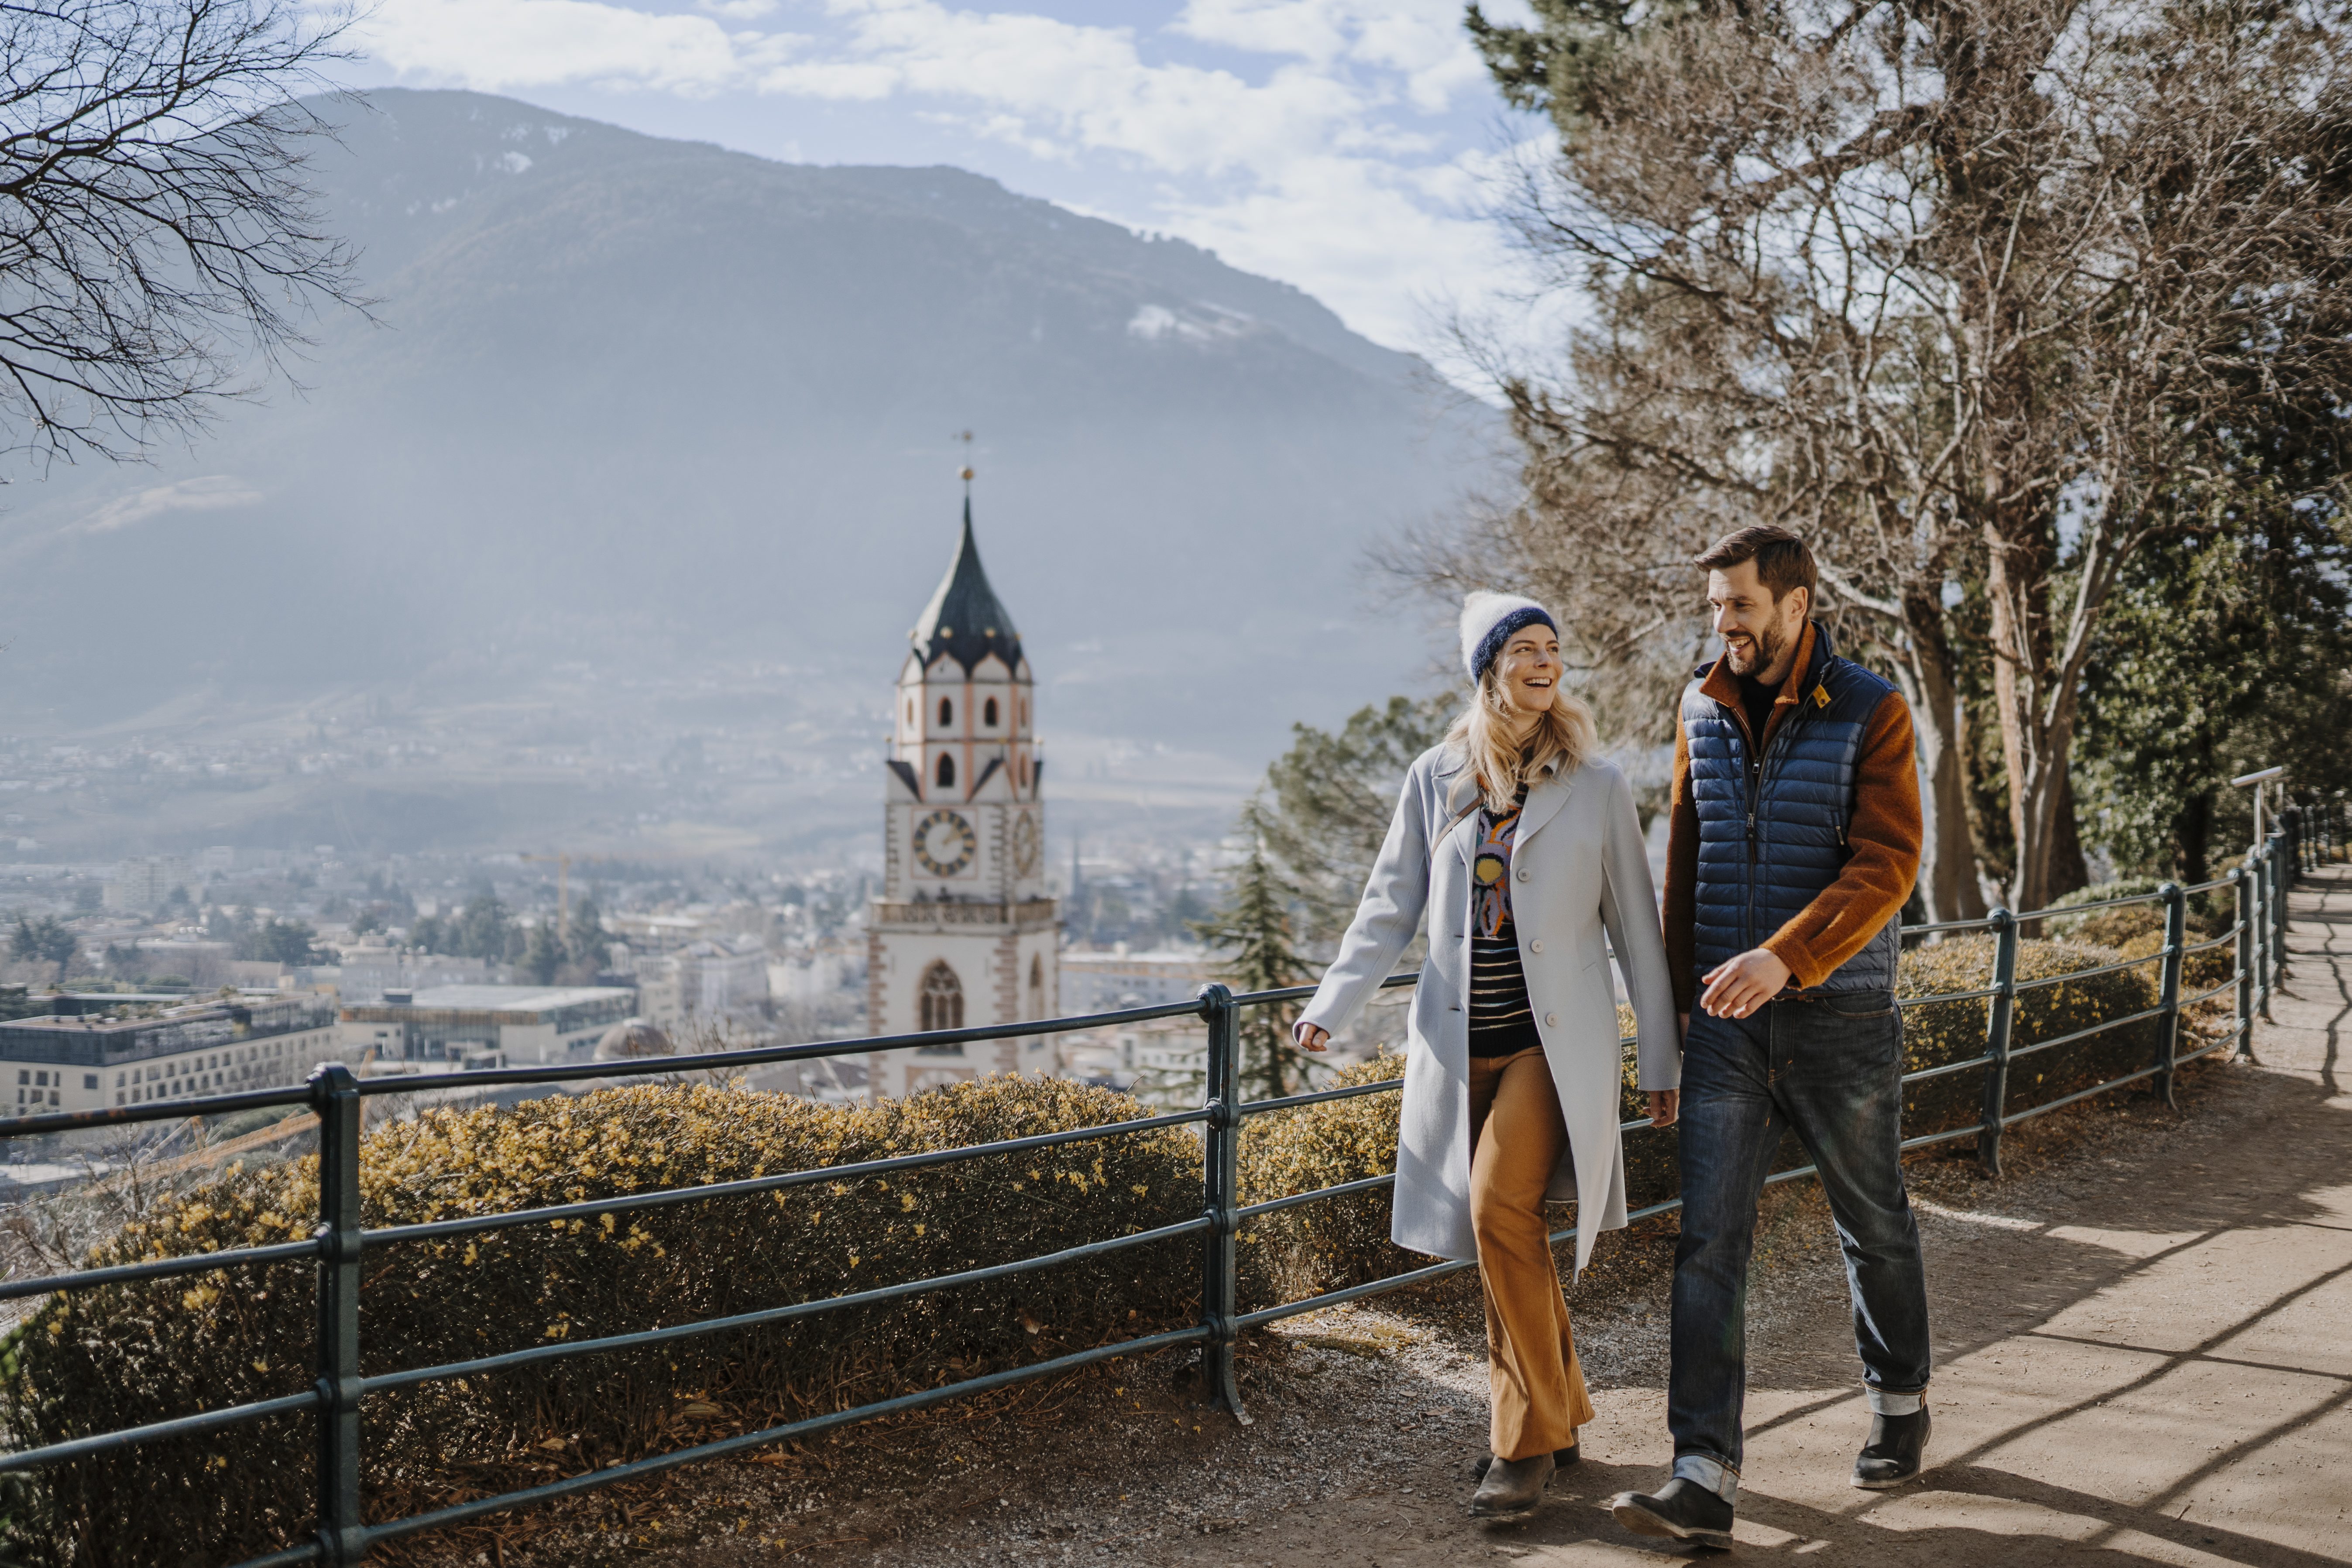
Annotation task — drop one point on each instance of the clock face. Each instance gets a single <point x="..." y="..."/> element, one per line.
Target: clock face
<point x="1025" y="845"/>
<point x="944" y="843"/>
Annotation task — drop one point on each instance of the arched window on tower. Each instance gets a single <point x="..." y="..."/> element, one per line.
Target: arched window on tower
<point x="910" y="712"/>
<point x="1036" y="988"/>
<point x="947" y="771"/>
<point x="940" y="1000"/>
<point x="1025" y="770"/>
<point x="947" y="712"/>
<point x="988" y="713"/>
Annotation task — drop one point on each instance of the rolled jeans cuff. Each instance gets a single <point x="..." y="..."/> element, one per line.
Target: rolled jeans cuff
<point x="1710" y="1472"/>
<point x="1884" y="1403"/>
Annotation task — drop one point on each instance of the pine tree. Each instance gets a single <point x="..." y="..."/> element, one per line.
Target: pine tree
<point x="1253" y="925"/>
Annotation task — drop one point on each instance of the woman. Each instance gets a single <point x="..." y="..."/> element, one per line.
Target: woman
<point x="1522" y="847"/>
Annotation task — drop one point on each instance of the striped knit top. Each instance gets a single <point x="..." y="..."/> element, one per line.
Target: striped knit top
<point x="1501" y="1020"/>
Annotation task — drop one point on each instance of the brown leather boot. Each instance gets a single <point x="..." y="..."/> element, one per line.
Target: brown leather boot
<point x="1512" y="1488"/>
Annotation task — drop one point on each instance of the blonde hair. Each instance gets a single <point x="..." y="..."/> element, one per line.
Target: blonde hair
<point x="1482" y="737"/>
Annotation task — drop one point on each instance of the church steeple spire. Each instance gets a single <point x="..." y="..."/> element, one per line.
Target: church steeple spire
<point x="965" y="620"/>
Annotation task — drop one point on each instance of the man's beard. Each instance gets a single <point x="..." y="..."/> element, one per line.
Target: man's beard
<point x="1768" y="647"/>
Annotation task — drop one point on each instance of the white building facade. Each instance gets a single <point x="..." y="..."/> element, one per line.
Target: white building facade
<point x="121" y="1050"/>
<point x="965" y="934"/>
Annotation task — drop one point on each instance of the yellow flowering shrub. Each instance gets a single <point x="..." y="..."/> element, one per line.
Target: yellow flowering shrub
<point x="117" y="1357"/>
<point x="1943" y="1031"/>
<point x="1331" y="1243"/>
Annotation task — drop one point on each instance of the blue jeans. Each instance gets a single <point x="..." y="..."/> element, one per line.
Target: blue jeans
<point x="1832" y="1069"/>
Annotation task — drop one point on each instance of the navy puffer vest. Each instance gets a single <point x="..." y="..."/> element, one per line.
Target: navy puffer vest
<point x="1764" y="853"/>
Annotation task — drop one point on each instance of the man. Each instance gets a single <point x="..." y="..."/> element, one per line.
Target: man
<point x="1794" y="842"/>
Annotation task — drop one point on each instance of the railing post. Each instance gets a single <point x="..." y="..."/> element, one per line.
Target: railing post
<point x="2258" y="870"/>
<point x="2167" y="1023"/>
<point x="2242" y="891"/>
<point x="1997" y="1029"/>
<point x="1221" y="1164"/>
<point x="2282" y="879"/>
<point x="335" y="1096"/>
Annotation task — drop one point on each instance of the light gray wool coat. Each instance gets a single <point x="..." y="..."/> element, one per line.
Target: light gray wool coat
<point x="1578" y="867"/>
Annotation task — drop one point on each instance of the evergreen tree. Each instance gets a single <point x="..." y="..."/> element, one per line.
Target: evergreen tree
<point x="542" y="954"/>
<point x="1252" y="926"/>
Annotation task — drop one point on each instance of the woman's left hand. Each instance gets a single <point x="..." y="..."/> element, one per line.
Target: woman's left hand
<point x="1665" y="1104"/>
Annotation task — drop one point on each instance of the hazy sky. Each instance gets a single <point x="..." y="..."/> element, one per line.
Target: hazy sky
<point x="1341" y="145"/>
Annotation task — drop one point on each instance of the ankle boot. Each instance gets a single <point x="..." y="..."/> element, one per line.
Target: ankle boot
<point x="1512" y="1488"/>
<point x="1897" y="1445"/>
<point x="1682" y="1510"/>
<point x="1561" y="1459"/>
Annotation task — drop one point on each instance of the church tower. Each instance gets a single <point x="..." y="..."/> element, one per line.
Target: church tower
<point x="965" y="932"/>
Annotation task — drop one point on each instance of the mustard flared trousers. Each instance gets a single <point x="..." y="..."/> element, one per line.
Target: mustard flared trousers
<point x="1539" y="1399"/>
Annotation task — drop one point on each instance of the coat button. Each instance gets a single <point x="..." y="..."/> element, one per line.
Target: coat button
<point x="1523" y="873"/>
<point x="1551" y="1018"/>
<point x="1536" y="946"/>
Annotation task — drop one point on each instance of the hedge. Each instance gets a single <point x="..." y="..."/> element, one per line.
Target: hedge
<point x="101" y="1359"/>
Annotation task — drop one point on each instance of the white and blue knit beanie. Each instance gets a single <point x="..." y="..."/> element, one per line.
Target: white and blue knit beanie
<point x="1487" y="622"/>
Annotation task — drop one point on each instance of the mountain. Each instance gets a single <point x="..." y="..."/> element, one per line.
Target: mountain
<point x="628" y="411"/>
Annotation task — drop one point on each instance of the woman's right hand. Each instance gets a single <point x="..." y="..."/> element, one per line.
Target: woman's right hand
<point x="1311" y="1037"/>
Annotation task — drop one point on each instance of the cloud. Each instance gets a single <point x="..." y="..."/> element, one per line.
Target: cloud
<point x="503" y="46"/>
<point x="212" y="492"/>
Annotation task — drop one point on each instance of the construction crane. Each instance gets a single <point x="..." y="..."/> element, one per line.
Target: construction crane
<point x="562" y="860"/>
<point x="563" y="883"/>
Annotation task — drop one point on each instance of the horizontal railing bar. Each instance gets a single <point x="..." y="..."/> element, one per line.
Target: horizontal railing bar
<point x="2025" y="985"/>
<point x="154" y="1111"/>
<point x="2230" y="935"/>
<point x="306" y="1552"/>
<point x="1291" y="1103"/>
<point x="656" y="1464"/>
<point x="2117" y="903"/>
<point x="2083" y="1094"/>
<point x="178" y="1427"/>
<point x="1352" y="1293"/>
<point x="1298" y="993"/>
<point x="765" y="1315"/>
<point x="757" y="1056"/>
<point x="1938" y="927"/>
<point x="1978" y="994"/>
<point x="158" y="1269"/>
<point x="2206" y="1050"/>
<point x="2098" y="1028"/>
<point x="1945" y="1136"/>
<point x="664" y="1197"/>
<point x="1361" y="1184"/>
<point x="2206" y="887"/>
<point x="1942" y="1069"/>
<point x="2228" y="985"/>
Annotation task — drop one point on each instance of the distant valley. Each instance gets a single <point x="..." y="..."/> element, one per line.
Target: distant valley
<point x="644" y="463"/>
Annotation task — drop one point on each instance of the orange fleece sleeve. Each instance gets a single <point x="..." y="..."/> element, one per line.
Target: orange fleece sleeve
<point x="1681" y="879"/>
<point x="1885" y="836"/>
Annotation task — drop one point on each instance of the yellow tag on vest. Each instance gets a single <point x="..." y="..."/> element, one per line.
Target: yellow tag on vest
<point x="1820" y="696"/>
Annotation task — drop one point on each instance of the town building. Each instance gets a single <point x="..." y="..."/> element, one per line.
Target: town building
<point x="470" y="1027"/>
<point x="371" y="969"/>
<point x="964" y="932"/>
<point x="721" y="979"/>
<point x="108" y="1049"/>
<point x="1104" y="981"/>
<point x="142" y="882"/>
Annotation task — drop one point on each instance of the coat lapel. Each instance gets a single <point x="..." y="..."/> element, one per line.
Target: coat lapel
<point x="1544" y="801"/>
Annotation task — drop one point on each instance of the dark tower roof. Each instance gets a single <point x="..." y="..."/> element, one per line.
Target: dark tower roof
<point x="965" y="619"/>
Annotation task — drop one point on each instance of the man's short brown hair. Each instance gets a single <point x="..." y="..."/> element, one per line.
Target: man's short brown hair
<point x="1782" y="560"/>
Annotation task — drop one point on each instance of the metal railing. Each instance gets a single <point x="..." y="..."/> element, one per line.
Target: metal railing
<point x="339" y="1241"/>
